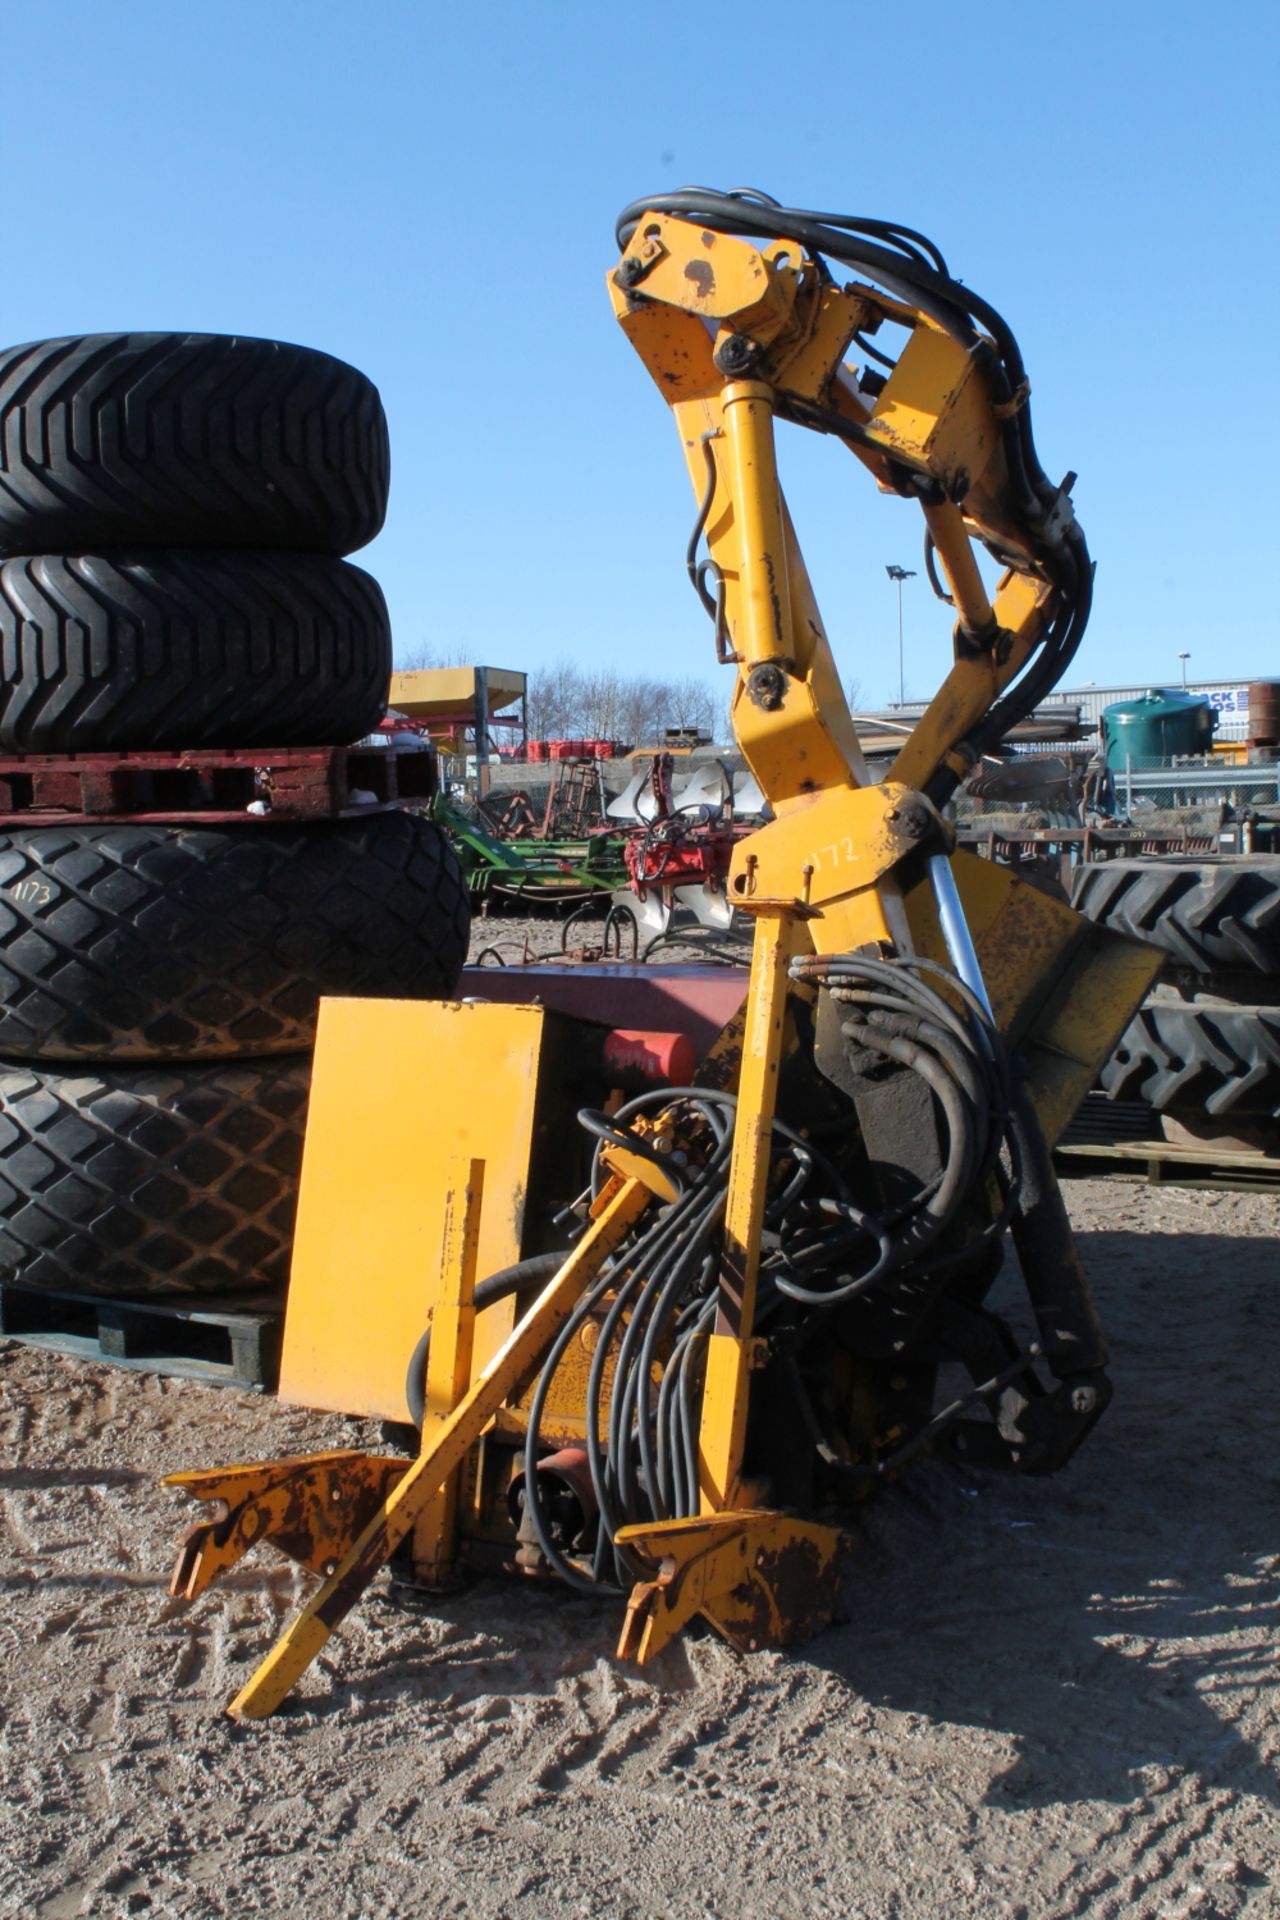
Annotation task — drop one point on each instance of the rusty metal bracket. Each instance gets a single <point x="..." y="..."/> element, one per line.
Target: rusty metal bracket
<point x="760" y="1578"/>
<point x="310" y="1507"/>
<point x="412" y="1484"/>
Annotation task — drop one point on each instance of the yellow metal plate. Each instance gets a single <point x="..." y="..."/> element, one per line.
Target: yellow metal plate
<point x="1062" y="989"/>
<point x="399" y="1089"/>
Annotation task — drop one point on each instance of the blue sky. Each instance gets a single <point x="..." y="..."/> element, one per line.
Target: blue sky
<point x="430" y="193"/>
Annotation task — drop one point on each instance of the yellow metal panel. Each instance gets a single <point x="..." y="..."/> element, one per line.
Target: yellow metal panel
<point x="1062" y="990"/>
<point x="934" y="411"/>
<point x="718" y="278"/>
<point x="830" y="845"/>
<point x="399" y="1088"/>
<point x="675" y="347"/>
<point x="426" y="691"/>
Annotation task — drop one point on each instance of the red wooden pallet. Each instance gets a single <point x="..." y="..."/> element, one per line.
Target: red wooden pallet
<point x="274" y="783"/>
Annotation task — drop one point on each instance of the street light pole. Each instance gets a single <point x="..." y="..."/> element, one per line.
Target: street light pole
<point x="1184" y="657"/>
<point x="900" y="574"/>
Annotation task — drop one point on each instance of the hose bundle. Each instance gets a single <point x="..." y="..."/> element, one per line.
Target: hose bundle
<point x="820" y="1248"/>
<point x="661" y="1294"/>
<point x="892" y="1012"/>
<point x="654" y="1302"/>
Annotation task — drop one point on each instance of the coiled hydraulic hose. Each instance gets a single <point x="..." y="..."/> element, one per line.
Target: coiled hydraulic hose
<point x="892" y="1010"/>
<point x="655" y="1299"/>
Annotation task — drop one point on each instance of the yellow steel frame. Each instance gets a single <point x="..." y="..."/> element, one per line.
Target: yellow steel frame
<point x="824" y="875"/>
<point x="731" y="1349"/>
<point x="934" y="417"/>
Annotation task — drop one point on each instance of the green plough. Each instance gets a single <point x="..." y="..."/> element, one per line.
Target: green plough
<point x="543" y="869"/>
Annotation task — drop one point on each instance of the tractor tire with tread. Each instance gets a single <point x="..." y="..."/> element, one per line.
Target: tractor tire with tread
<point x="132" y="941"/>
<point x="160" y="1182"/>
<point x="1204" y="913"/>
<point x="187" y="440"/>
<point x="117" y="653"/>
<point x="1205" y="1055"/>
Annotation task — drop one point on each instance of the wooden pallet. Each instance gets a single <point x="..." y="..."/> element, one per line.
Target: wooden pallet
<point x="1160" y="1163"/>
<point x="278" y="783"/>
<point x="1118" y="1140"/>
<point x="236" y="1347"/>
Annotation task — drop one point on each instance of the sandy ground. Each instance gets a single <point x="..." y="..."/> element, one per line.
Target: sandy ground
<point x="1048" y="1698"/>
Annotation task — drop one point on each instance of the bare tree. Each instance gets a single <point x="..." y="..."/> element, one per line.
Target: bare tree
<point x="458" y="653"/>
<point x="604" y="704"/>
<point x="554" y="701"/>
<point x="691" y="703"/>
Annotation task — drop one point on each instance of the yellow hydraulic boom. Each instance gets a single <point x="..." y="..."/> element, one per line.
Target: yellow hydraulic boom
<point x="767" y="1267"/>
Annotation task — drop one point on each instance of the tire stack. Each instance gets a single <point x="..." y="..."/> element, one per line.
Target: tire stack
<point x="173" y="512"/>
<point x="1204" y="1050"/>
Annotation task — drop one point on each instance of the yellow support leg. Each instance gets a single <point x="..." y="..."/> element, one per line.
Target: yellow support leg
<point x="731" y="1349"/>
<point x="616" y="1210"/>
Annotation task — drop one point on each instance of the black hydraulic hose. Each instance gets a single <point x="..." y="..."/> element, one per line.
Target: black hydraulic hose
<point x="643" y="1264"/>
<point x="666" y="1279"/>
<point x="658" y="1295"/>
<point x="532" y="1491"/>
<point x="612" y="1469"/>
<point x="642" y="1372"/>
<point x="696" y="570"/>
<point x="896" y="1010"/>
<point x="928" y="1222"/>
<point x="686" y="1407"/>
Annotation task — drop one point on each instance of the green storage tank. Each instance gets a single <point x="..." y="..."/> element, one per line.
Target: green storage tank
<point x="1150" y="731"/>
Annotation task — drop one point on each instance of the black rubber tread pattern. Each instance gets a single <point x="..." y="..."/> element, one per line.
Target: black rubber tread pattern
<point x="150" y="942"/>
<point x="110" y="653"/>
<point x="1205" y="913"/>
<point x="187" y="440"/>
<point x="173" y="1181"/>
<point x="1212" y="1058"/>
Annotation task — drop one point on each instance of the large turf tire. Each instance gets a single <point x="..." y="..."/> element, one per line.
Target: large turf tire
<point x="150" y="942"/>
<point x="187" y="440"/>
<point x="1204" y="1056"/>
<point x="106" y="653"/>
<point x="172" y="1181"/>
<point x="1204" y="913"/>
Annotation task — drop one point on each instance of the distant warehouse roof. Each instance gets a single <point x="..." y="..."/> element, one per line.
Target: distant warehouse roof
<point x="1229" y="699"/>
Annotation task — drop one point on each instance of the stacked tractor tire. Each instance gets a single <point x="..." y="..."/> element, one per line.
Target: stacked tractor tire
<point x="1204" y="1051"/>
<point x="173" y="512"/>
